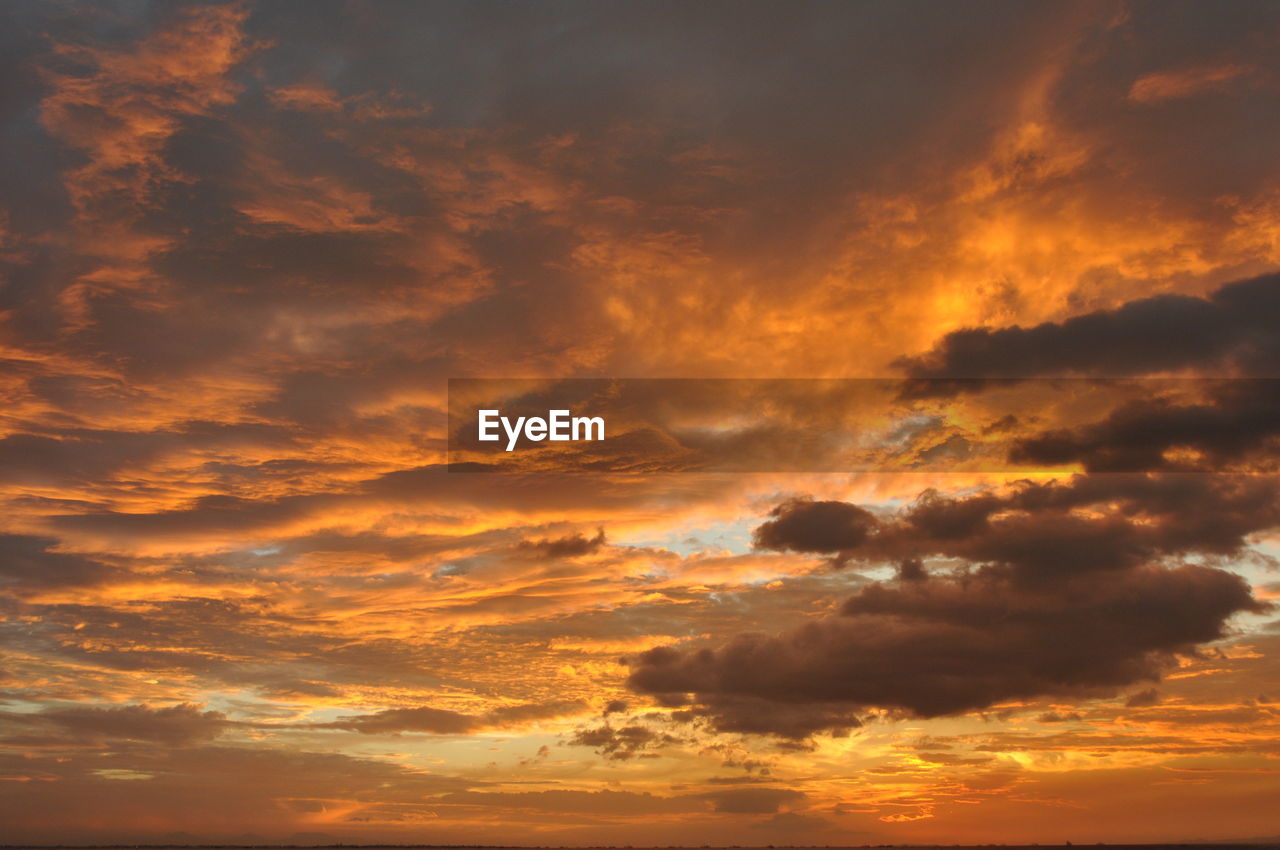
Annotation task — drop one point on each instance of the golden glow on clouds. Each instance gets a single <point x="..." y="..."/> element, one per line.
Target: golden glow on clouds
<point x="226" y="397"/>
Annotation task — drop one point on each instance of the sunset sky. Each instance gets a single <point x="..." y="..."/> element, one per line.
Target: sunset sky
<point x="244" y="247"/>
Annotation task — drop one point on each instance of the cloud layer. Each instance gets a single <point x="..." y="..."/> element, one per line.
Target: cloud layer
<point x="245" y="245"/>
<point x="1047" y="590"/>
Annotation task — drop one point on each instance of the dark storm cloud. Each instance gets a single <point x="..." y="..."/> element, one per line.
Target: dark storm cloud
<point x="951" y="645"/>
<point x="565" y="547"/>
<point x="1235" y="330"/>
<point x="1039" y="531"/>
<point x="809" y="526"/>
<point x="175" y="726"/>
<point x="439" y="721"/>
<point x="1236" y="427"/>
<point x="1061" y="589"/>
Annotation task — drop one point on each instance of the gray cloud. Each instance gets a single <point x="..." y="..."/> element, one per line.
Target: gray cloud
<point x="1046" y="600"/>
<point x="174" y="726"/>
<point x="1233" y="331"/>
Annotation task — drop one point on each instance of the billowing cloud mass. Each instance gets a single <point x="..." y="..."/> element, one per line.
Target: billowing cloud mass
<point x="176" y="725"/>
<point x="1056" y="590"/>
<point x="245" y="246"/>
<point x="1235" y="427"/>
<point x="1229" y="332"/>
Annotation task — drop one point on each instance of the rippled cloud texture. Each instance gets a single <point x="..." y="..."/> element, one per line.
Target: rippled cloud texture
<point x="244" y="247"/>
